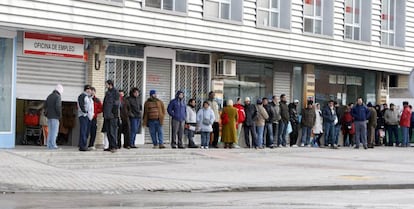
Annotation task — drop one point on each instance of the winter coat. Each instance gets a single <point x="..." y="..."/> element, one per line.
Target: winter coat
<point x="177" y="108"/>
<point x="328" y="115"/>
<point x="405" y="120"/>
<point x="53" y="106"/>
<point x="240" y="113"/>
<point x="269" y="111"/>
<point x="97" y="107"/>
<point x="205" y="115"/>
<point x="346" y="121"/>
<point x="276" y="112"/>
<point x="135" y="106"/>
<point x="372" y="120"/>
<point x="318" y="127"/>
<point x="262" y="115"/>
<point x="251" y="114"/>
<point x="153" y="110"/>
<point x="111" y="104"/>
<point x="85" y="106"/>
<point x="284" y="112"/>
<point x="293" y="114"/>
<point x="125" y="110"/>
<point x="391" y="117"/>
<point x="191" y="116"/>
<point x="228" y="132"/>
<point x="360" y="113"/>
<point x="215" y="107"/>
<point x="308" y="117"/>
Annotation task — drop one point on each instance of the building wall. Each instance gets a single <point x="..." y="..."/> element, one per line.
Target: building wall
<point x="132" y="23"/>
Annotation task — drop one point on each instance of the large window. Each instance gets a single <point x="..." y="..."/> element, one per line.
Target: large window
<point x="168" y="5"/>
<point x="393" y="23"/>
<point x="358" y="20"/>
<point x="273" y="13"/>
<point x="223" y="9"/>
<point x="318" y="17"/>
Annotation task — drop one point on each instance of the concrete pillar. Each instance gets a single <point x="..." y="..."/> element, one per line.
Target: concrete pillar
<point x="308" y="83"/>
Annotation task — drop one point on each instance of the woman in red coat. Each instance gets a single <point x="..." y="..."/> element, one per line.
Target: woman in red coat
<point x="348" y="127"/>
<point x="241" y="117"/>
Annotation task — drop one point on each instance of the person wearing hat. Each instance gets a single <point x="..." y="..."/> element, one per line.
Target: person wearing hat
<point x="249" y="124"/>
<point x="308" y="121"/>
<point x="372" y="124"/>
<point x="85" y="115"/>
<point x="361" y="114"/>
<point x="111" y="114"/>
<point x="154" y="113"/>
<point x="53" y="112"/>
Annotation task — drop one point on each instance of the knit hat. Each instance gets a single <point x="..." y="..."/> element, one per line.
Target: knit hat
<point x="259" y="101"/>
<point x="369" y="104"/>
<point x="59" y="88"/>
<point x="296" y="101"/>
<point x="247" y="99"/>
<point x="152" y="92"/>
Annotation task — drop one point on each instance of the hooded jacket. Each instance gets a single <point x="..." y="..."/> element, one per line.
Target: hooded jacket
<point x="135" y="105"/>
<point x="111" y="104"/>
<point x="53" y="106"/>
<point x="177" y="108"/>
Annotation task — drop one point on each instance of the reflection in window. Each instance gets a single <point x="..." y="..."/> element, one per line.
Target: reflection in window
<point x="169" y="5"/>
<point x="393" y="23"/>
<point x="318" y="17"/>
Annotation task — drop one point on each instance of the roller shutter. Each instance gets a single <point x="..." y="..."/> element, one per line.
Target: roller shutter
<point x="282" y="83"/>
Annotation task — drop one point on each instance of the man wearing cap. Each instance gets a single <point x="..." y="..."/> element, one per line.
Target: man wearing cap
<point x="284" y="120"/>
<point x="85" y="115"/>
<point x="249" y="124"/>
<point x="111" y="114"/>
<point x="154" y="113"/>
<point x="53" y="112"/>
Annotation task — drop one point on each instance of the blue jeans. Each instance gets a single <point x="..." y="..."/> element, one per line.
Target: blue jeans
<point x="259" y="133"/>
<point x="329" y="133"/>
<point x="269" y="134"/>
<point x="405" y="140"/>
<point x="84" y="124"/>
<point x="205" y="138"/>
<point x="393" y="131"/>
<point x="306" y="134"/>
<point x="53" y="126"/>
<point x="156" y="133"/>
<point x="135" y="124"/>
<point x="92" y="131"/>
<point x="336" y="136"/>
<point x="282" y="133"/>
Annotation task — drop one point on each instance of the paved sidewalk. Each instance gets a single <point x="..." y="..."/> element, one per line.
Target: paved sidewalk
<point x="35" y="169"/>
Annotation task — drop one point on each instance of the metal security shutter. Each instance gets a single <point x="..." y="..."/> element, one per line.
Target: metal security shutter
<point x="193" y="81"/>
<point x="159" y="79"/>
<point x="282" y="83"/>
<point x="37" y="77"/>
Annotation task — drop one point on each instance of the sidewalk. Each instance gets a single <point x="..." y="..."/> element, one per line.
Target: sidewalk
<point x="35" y="169"/>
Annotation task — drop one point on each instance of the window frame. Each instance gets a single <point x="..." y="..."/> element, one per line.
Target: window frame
<point x="388" y="31"/>
<point x="354" y="25"/>
<point x="270" y="10"/>
<point x="314" y="17"/>
<point x="166" y="11"/>
<point x="219" y="19"/>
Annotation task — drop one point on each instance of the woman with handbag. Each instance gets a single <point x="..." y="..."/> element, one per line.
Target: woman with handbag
<point x="205" y="120"/>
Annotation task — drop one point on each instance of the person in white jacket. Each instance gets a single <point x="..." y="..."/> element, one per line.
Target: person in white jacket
<point x="205" y="120"/>
<point x="190" y="123"/>
<point x="317" y="128"/>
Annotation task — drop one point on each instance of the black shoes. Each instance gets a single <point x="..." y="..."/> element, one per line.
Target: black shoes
<point x="83" y="149"/>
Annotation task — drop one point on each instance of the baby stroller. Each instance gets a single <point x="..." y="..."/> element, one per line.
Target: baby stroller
<point x="33" y="131"/>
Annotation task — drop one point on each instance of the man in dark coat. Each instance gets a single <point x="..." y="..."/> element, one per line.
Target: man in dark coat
<point x="135" y="107"/>
<point x="308" y="121"/>
<point x="53" y="112"/>
<point x="294" y="122"/>
<point x="111" y="114"/>
<point x="249" y="125"/>
<point x="177" y="109"/>
<point x="124" y="125"/>
<point x="284" y="120"/>
<point x="329" y="120"/>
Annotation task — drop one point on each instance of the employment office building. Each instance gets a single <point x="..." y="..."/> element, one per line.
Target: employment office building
<point x="307" y="49"/>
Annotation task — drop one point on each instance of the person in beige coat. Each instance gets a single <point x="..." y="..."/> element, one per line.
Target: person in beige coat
<point x="262" y="116"/>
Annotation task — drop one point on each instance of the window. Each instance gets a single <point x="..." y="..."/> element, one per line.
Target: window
<point x="318" y="17"/>
<point x="168" y="5"/>
<point x="224" y="9"/>
<point x="393" y="23"/>
<point x="358" y="20"/>
<point x="273" y="13"/>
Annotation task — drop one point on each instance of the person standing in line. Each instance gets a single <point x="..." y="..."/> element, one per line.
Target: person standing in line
<point x="240" y="119"/>
<point x="85" y="115"/>
<point x="329" y="121"/>
<point x="391" y="121"/>
<point x="53" y="112"/>
<point x="410" y="132"/>
<point x="43" y="124"/>
<point x="385" y="138"/>
<point x="379" y="130"/>
<point x="249" y="125"/>
<point x="229" y="132"/>
<point x="318" y="127"/>
<point x="308" y="121"/>
<point x="97" y="109"/>
<point x="284" y="121"/>
<point x="205" y="120"/>
<point x="124" y="124"/>
<point x="262" y="116"/>
<point x="274" y="104"/>
<point x="111" y="114"/>
<point x="372" y="124"/>
<point x="348" y="127"/>
<point x="294" y="121"/>
<point x="154" y="113"/>
<point x="361" y="114"/>
<point x="339" y="113"/>
<point x="191" y="123"/>
<point x="135" y="107"/>
<point x="268" y="128"/>
<point x="216" y="127"/>
<point x="405" y="123"/>
<point x="177" y="109"/>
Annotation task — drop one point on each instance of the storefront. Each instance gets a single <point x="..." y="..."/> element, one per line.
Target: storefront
<point x="7" y="88"/>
